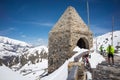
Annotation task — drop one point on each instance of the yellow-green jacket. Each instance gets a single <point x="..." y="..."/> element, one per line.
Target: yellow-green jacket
<point x="111" y="51"/>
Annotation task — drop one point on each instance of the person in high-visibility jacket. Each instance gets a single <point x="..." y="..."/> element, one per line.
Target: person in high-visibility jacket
<point x="110" y="51"/>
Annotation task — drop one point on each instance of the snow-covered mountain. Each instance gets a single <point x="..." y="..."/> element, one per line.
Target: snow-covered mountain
<point x="106" y="39"/>
<point x="37" y="50"/>
<point x="10" y="41"/>
<point x="22" y="57"/>
<point x="11" y="50"/>
<point x="11" y="47"/>
<point x="32" y="61"/>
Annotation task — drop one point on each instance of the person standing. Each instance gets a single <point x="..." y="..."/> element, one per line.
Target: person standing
<point x="101" y="49"/>
<point x="110" y="51"/>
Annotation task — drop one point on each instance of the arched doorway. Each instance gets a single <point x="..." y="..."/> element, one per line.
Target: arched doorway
<point x="83" y="43"/>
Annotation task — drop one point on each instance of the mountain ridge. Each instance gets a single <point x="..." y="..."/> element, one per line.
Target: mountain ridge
<point x="13" y="41"/>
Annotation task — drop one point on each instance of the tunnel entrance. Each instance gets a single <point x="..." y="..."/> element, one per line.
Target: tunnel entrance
<point x="83" y="43"/>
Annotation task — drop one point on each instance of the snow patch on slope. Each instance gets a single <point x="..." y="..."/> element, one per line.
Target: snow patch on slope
<point x="7" y="74"/>
<point x="33" y="71"/>
<point x="105" y="40"/>
<point x="95" y="59"/>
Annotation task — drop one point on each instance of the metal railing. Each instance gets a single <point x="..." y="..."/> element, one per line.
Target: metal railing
<point x="73" y="73"/>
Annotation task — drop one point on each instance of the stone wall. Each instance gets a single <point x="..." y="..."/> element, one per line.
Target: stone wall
<point x="64" y="36"/>
<point x="75" y="36"/>
<point x="61" y="45"/>
<point x="59" y="49"/>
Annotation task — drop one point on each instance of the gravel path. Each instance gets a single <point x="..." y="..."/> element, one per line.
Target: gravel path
<point x="105" y="72"/>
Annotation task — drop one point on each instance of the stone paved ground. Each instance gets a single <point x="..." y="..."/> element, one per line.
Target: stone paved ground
<point x="105" y="72"/>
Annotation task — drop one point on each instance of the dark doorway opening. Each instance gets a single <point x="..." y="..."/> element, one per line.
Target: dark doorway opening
<point x="83" y="43"/>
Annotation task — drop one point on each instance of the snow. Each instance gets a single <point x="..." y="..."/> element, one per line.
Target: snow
<point x="89" y="75"/>
<point x="118" y="54"/>
<point x="95" y="59"/>
<point x="11" y="47"/>
<point x="77" y="49"/>
<point x="7" y="74"/>
<point x="35" y="70"/>
<point x="12" y="41"/>
<point x="38" y="68"/>
<point x="61" y="73"/>
<point x="32" y="71"/>
<point x="39" y="49"/>
<point x="105" y="40"/>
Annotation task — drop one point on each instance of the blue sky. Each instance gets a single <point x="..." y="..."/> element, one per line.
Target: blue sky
<point x="31" y="20"/>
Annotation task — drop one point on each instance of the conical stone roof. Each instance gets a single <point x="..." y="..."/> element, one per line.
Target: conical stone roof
<point x="70" y="21"/>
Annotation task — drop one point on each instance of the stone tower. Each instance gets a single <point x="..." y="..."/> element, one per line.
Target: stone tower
<point x="70" y="31"/>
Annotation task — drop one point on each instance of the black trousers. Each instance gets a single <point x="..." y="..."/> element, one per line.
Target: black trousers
<point x="110" y="55"/>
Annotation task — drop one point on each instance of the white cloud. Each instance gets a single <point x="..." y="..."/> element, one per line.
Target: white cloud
<point x="43" y="24"/>
<point x="41" y="41"/>
<point x="47" y="24"/>
<point x="37" y="41"/>
<point x="7" y="31"/>
<point x="24" y="36"/>
<point x="11" y="28"/>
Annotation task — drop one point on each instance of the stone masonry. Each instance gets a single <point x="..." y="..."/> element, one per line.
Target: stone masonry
<point x="70" y="31"/>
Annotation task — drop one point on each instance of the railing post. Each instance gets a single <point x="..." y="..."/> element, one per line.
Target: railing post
<point x="73" y="74"/>
<point x="76" y="68"/>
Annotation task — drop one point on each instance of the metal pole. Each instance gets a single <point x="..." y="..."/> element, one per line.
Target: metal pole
<point x="88" y="26"/>
<point x="96" y="44"/>
<point x="96" y="40"/>
<point x="88" y="14"/>
<point x="88" y="18"/>
<point x="112" y="30"/>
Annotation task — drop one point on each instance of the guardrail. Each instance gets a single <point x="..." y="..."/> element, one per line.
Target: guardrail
<point x="76" y="68"/>
<point x="76" y="59"/>
<point x="73" y="73"/>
